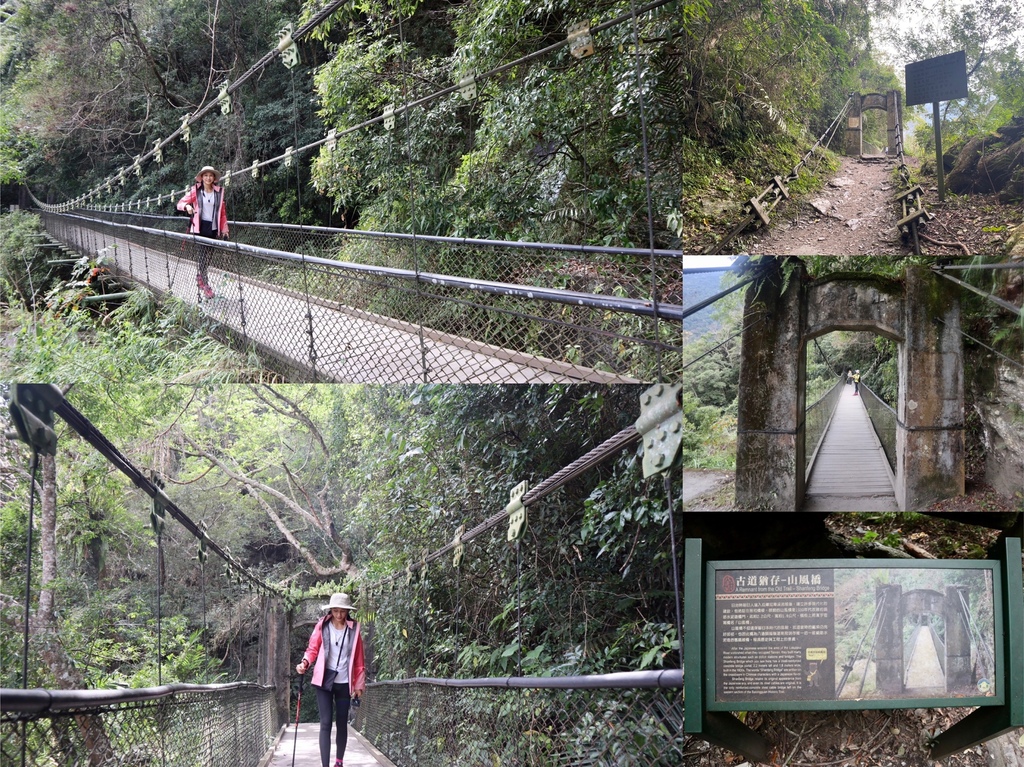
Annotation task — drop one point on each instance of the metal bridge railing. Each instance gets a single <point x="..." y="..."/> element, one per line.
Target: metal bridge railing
<point x="411" y="309"/>
<point x="172" y="725"/>
<point x="883" y="420"/>
<point x="633" y="719"/>
<point x="816" y="418"/>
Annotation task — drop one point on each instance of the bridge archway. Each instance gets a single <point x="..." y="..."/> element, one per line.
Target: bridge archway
<point x="783" y="311"/>
<point x="895" y="606"/>
<point x="888" y="102"/>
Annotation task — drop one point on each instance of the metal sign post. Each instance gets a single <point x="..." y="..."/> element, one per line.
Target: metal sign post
<point x="933" y="80"/>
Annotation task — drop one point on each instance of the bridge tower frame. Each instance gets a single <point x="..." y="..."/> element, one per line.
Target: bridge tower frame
<point x="890" y="102"/>
<point x="783" y="312"/>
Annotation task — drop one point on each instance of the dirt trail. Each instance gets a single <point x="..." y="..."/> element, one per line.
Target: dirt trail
<point x="853" y="214"/>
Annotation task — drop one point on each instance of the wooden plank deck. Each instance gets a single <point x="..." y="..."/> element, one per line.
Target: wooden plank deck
<point x="352" y="346"/>
<point x="306" y="749"/>
<point x="850" y="472"/>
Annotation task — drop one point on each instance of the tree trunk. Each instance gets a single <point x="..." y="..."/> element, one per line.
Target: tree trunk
<point x="91" y="729"/>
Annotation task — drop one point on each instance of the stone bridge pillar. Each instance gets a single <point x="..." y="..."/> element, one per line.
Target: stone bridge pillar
<point x="930" y="428"/>
<point x="889" y="639"/>
<point x="770" y="421"/>
<point x="851" y="143"/>
<point x="890" y="102"/>
<point x="959" y="671"/>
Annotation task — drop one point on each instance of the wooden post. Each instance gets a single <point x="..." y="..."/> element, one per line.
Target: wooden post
<point x="939" y="170"/>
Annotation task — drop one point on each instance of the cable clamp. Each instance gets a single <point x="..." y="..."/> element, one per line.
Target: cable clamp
<point x="389" y="117"/>
<point x="158" y="152"/>
<point x="186" y="129"/>
<point x="288" y="156"/>
<point x="460" y="547"/>
<point x="517" y="512"/>
<point x="225" y="98"/>
<point x="581" y="42"/>
<point x="661" y="424"/>
<point x="467" y="86"/>
<point x="286" y="46"/>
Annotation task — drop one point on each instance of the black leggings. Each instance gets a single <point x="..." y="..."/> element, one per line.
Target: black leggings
<point x="332" y="702"/>
<point x="203" y="252"/>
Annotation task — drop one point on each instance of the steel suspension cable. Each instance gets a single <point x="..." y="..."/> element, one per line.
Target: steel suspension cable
<point x="993" y="298"/>
<point x="982" y="343"/>
<point x="647" y="177"/>
<point x="755" y="323"/>
<point x="372" y="121"/>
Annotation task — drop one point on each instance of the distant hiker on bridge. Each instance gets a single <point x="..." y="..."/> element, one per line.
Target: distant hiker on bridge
<point x="856" y="383"/>
<point x="849" y="376"/>
<point x="205" y="203"/>
<point x="339" y="674"/>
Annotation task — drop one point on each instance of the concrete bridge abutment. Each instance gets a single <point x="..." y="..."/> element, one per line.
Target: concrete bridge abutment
<point x="783" y="311"/>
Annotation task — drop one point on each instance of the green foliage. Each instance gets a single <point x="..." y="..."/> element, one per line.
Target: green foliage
<point x="25" y="274"/>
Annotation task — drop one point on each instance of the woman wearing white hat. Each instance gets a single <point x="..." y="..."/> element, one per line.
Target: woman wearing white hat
<point x="205" y="203"/>
<point x="339" y="672"/>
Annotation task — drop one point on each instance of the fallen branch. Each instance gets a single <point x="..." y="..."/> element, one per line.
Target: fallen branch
<point x="917" y="551"/>
<point x="943" y="243"/>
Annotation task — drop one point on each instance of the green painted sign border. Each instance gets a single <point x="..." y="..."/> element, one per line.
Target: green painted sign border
<point x="984" y="723"/>
<point x="851" y="564"/>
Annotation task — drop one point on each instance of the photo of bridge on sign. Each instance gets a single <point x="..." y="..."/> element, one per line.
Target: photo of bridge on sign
<point x="841" y="634"/>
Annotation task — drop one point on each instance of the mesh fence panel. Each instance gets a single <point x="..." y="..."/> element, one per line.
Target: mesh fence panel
<point x="883" y="420"/>
<point x="816" y="419"/>
<point x="405" y="310"/>
<point x="229" y="725"/>
<point x="423" y="724"/>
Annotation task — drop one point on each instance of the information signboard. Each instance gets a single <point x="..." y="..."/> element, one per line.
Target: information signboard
<point x="854" y="635"/>
<point x="824" y="634"/>
<point x="939" y="79"/>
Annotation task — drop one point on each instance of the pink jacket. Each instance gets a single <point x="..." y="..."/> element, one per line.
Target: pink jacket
<point x="318" y="660"/>
<point x="191" y="197"/>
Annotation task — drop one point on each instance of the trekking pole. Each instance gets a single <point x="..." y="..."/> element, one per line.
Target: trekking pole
<point x="298" y="707"/>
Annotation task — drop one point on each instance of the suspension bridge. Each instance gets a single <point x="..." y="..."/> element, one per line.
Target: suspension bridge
<point x="633" y="716"/>
<point x="847" y="453"/>
<point x="339" y="305"/>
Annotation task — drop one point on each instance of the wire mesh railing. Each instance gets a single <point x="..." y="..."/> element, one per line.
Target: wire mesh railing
<point x="363" y="306"/>
<point x="816" y="418"/>
<point x="883" y="421"/>
<point x="633" y="719"/>
<point x="186" y="725"/>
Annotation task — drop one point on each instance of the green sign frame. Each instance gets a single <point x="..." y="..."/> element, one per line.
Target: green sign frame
<point x="710" y="719"/>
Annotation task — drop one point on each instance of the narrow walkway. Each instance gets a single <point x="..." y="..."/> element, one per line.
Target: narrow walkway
<point x="924" y="671"/>
<point x="306" y="748"/>
<point x="850" y="472"/>
<point x="353" y="346"/>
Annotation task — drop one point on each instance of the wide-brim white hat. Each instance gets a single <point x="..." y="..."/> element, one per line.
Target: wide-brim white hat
<point x="339" y="600"/>
<point x="208" y="169"/>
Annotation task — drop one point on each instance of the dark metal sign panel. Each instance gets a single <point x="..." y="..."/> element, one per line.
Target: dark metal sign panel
<point x="939" y="79"/>
<point x="841" y="634"/>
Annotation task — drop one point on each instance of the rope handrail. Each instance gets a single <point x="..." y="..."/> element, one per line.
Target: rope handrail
<point x="40" y="701"/>
<point x="640" y="680"/>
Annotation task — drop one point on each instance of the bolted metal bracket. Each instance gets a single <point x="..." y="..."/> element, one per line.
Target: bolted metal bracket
<point x="156" y="516"/>
<point x="581" y="42"/>
<point x="332" y="139"/>
<point x="517" y="511"/>
<point x="186" y="129"/>
<point x="467" y="86"/>
<point x="256" y="169"/>
<point x="460" y="547"/>
<point x="288" y="156"/>
<point x="225" y="180"/>
<point x="287" y="47"/>
<point x="225" y="98"/>
<point x="661" y="424"/>
<point x="389" y="117"/>
<point x="31" y="407"/>
<point x="158" y="152"/>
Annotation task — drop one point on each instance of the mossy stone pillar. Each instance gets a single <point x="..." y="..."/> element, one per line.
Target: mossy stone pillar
<point x="770" y="422"/>
<point x="852" y="142"/>
<point x="959" y="671"/>
<point x="930" y="429"/>
<point x="889" y="639"/>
